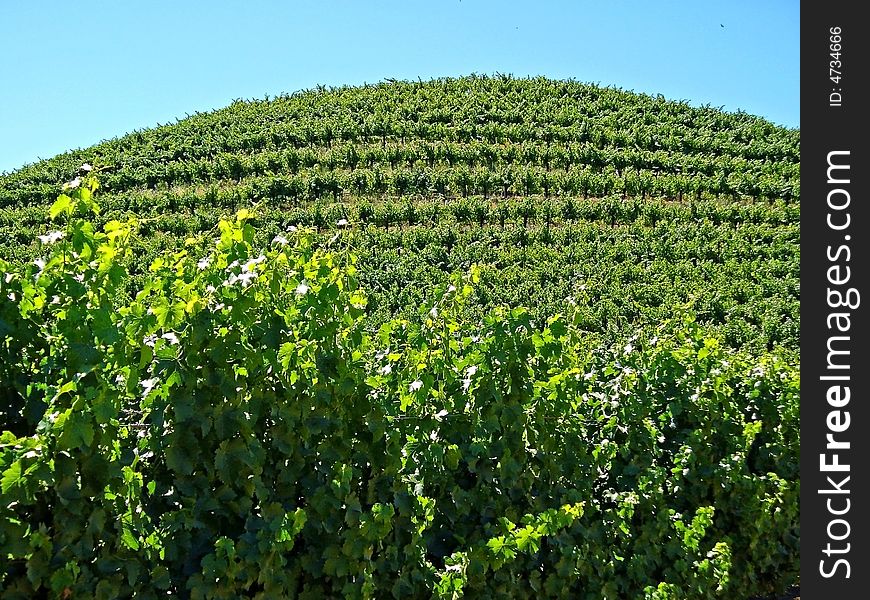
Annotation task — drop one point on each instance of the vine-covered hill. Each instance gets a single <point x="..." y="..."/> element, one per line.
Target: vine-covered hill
<point x="627" y="204"/>
<point x="252" y="422"/>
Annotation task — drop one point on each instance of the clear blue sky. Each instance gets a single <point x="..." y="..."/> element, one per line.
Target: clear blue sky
<point x="75" y="73"/>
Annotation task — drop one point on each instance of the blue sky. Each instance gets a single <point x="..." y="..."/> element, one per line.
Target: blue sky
<point x="75" y="73"/>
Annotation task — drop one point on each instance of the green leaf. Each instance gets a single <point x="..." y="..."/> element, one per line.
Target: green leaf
<point x="63" y="204"/>
<point x="107" y="589"/>
<point x="169" y="314"/>
<point x="69" y="386"/>
<point x="129" y="539"/>
<point x="11" y="477"/>
<point x="178" y="460"/>
<point x="104" y="410"/>
<point x="81" y="432"/>
<point x="183" y="408"/>
<point x="285" y="354"/>
<point x="496" y="543"/>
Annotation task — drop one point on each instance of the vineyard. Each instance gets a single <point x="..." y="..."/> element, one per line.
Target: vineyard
<point x="558" y="189"/>
<point x="477" y="337"/>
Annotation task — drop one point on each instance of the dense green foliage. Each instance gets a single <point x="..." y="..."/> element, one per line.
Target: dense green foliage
<point x="632" y="205"/>
<point x="232" y="430"/>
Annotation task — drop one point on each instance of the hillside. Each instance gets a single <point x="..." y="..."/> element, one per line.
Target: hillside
<point x="631" y="205"/>
<point x="198" y="398"/>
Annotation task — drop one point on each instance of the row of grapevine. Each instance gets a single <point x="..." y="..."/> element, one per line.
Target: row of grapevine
<point x="506" y="181"/>
<point x="431" y="154"/>
<point x="413" y="210"/>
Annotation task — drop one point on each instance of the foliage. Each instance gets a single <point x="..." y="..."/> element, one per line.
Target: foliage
<point x="551" y="185"/>
<point x="231" y="430"/>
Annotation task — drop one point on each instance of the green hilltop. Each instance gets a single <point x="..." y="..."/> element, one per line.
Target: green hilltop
<point x="628" y="205"/>
<point x="200" y="398"/>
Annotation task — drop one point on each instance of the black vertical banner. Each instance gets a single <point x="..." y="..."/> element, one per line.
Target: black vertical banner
<point x="835" y="364"/>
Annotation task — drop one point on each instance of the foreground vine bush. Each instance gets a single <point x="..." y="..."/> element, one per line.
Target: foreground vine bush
<point x="234" y="432"/>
